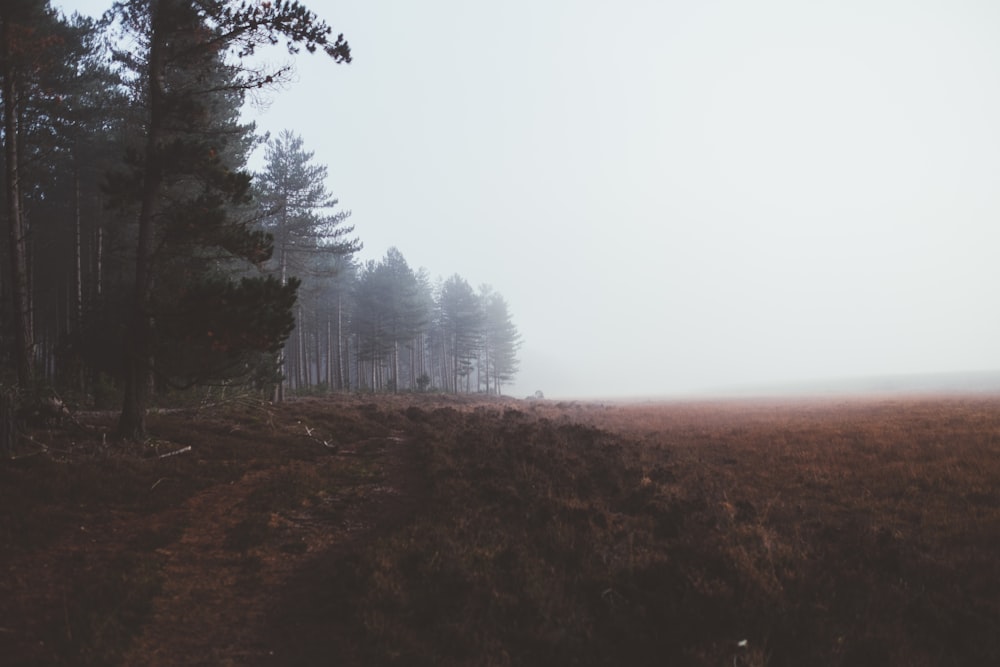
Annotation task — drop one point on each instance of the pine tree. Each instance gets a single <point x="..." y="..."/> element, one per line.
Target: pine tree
<point x="71" y="114"/>
<point x="389" y="318"/>
<point x="310" y="237"/>
<point x="460" y="327"/>
<point x="500" y="342"/>
<point x="368" y="325"/>
<point x="23" y="32"/>
<point x="299" y="212"/>
<point x="183" y="192"/>
<point x="406" y="314"/>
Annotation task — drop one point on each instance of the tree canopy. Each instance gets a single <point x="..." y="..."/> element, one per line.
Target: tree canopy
<point x="169" y="264"/>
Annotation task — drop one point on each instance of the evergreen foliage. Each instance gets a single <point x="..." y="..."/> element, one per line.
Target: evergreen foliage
<point x="167" y="264"/>
<point x="459" y="330"/>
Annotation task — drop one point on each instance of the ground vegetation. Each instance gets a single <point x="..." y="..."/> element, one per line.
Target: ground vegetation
<point x="428" y="529"/>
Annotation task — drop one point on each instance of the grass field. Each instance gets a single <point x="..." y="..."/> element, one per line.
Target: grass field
<point x="429" y="530"/>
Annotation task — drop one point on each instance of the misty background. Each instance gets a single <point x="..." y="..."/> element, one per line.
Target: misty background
<point x="678" y="197"/>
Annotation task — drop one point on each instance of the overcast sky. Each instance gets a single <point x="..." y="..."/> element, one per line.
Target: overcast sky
<point x="679" y="196"/>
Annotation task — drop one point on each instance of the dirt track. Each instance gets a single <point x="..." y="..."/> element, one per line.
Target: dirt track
<point x="226" y="567"/>
<point x="218" y="607"/>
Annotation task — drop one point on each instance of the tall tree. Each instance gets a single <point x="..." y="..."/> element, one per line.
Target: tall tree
<point x="70" y="109"/>
<point x="299" y="211"/>
<point x="460" y="325"/>
<point x="310" y="235"/>
<point x="368" y="324"/>
<point x="406" y="313"/>
<point x="22" y="40"/>
<point x="390" y="314"/>
<point x="181" y="188"/>
<point x="498" y="361"/>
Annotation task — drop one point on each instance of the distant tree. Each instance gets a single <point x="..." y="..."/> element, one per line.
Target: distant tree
<point x="498" y="363"/>
<point x="310" y="237"/>
<point x="460" y="330"/>
<point x="184" y="193"/>
<point x="299" y="212"/>
<point x="368" y="324"/>
<point x="389" y="318"/>
<point x="418" y="346"/>
<point x="338" y="298"/>
<point x="407" y="315"/>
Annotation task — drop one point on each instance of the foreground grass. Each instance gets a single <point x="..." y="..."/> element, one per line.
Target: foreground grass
<point x="812" y="533"/>
<point x="96" y="536"/>
<point x="819" y="534"/>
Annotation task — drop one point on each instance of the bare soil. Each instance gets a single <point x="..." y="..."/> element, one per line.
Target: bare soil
<point x="439" y="530"/>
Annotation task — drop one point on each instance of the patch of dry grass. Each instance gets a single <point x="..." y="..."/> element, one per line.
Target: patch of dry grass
<point x="850" y="532"/>
<point x="859" y="532"/>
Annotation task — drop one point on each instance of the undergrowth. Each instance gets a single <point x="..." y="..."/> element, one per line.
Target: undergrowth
<point x="743" y="533"/>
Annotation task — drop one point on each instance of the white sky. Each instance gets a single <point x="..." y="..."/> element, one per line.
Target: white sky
<point x="679" y="196"/>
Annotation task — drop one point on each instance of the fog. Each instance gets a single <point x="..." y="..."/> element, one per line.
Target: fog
<point x="679" y="197"/>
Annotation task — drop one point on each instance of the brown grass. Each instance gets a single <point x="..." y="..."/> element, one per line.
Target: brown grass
<point x="453" y="531"/>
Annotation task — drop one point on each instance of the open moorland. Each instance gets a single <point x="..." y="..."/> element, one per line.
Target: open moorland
<point x="436" y="530"/>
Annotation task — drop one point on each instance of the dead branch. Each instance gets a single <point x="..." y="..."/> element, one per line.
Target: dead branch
<point x="174" y="453"/>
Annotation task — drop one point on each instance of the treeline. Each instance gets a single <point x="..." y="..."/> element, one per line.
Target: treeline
<point x="382" y="326"/>
<point x="142" y="257"/>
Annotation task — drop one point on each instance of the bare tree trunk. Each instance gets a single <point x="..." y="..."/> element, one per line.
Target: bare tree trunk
<point x="328" y="366"/>
<point x="23" y="339"/>
<point x="413" y="364"/>
<point x="319" y="356"/>
<point x="132" y="422"/>
<point x="302" y="369"/>
<point x="357" y="358"/>
<point x="8" y="420"/>
<point x="279" y="388"/>
<point x="480" y="380"/>
<point x="340" y="343"/>
<point x="99" y="268"/>
<point x="78" y="302"/>
<point x="395" y="366"/>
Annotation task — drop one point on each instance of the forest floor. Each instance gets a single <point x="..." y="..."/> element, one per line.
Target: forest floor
<point x="438" y="530"/>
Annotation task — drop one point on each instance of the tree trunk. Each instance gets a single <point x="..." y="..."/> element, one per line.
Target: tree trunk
<point x="395" y="366"/>
<point x="23" y="339"/>
<point x="132" y="422"/>
<point x="319" y="356"/>
<point x="302" y="361"/>
<point x="99" y="268"/>
<point x="279" y="388"/>
<point x="339" y="368"/>
<point x="357" y="357"/>
<point x="8" y="420"/>
<point x="78" y="295"/>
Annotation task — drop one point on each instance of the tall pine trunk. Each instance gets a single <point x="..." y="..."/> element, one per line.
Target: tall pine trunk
<point x="340" y="343"/>
<point x="23" y="338"/>
<point x="132" y="422"/>
<point x="78" y="252"/>
<point x="317" y="347"/>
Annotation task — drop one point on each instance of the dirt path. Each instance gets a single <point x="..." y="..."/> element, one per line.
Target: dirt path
<point x="310" y="622"/>
<point x="221" y="591"/>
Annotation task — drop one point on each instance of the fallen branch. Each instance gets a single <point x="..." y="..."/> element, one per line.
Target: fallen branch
<point x="16" y="457"/>
<point x="325" y="443"/>
<point x="175" y="453"/>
